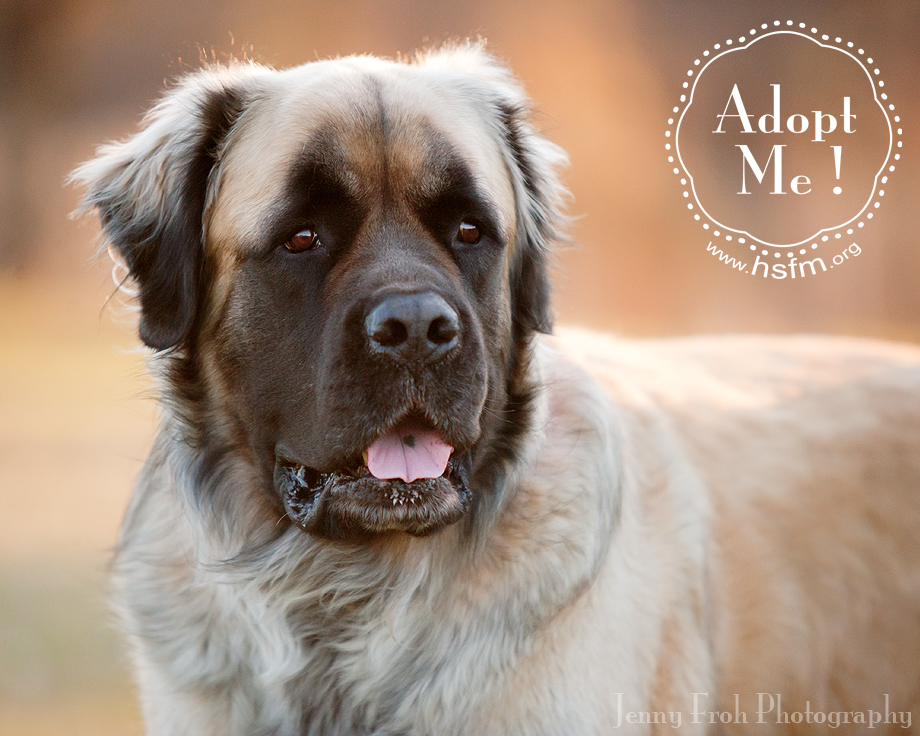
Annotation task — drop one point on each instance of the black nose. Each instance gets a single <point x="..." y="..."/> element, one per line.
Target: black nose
<point x="413" y="328"/>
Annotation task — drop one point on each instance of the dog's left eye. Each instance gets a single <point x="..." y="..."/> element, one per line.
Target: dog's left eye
<point x="469" y="233"/>
<point x="304" y="240"/>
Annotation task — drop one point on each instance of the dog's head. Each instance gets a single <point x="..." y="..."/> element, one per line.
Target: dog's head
<point x="342" y="265"/>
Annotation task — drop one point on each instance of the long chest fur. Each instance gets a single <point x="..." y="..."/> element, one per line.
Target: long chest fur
<point x="350" y="647"/>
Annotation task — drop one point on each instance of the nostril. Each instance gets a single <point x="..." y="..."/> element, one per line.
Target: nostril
<point x="390" y="333"/>
<point x="442" y="330"/>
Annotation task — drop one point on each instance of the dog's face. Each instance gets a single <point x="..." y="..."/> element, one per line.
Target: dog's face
<point x="346" y="261"/>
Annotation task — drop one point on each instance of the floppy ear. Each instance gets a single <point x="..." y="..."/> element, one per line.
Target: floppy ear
<point x="533" y="162"/>
<point x="539" y="195"/>
<point x="150" y="192"/>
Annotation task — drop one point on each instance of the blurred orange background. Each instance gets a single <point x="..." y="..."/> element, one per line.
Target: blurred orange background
<point x="76" y="415"/>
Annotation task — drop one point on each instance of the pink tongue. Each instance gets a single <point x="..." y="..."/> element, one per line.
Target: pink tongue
<point x="408" y="451"/>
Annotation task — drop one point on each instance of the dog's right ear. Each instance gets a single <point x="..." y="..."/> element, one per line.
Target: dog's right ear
<point x="150" y="192"/>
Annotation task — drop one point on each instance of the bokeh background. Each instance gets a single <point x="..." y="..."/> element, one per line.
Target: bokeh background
<point x="76" y="417"/>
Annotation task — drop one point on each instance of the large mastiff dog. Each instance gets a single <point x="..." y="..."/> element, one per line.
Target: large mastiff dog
<point x="384" y="501"/>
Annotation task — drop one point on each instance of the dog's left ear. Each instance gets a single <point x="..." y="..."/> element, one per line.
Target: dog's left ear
<point x="533" y="162"/>
<point x="150" y="192"/>
<point x="539" y="194"/>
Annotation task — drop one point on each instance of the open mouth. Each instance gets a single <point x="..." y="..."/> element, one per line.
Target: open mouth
<point x="408" y="480"/>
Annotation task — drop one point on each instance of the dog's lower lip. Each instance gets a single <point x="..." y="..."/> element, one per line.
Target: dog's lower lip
<point x="353" y="503"/>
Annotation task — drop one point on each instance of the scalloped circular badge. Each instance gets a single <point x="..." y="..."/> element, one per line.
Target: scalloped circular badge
<point x="784" y="141"/>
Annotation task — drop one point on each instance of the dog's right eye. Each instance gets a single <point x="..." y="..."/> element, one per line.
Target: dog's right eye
<point x="469" y="233"/>
<point x="307" y="239"/>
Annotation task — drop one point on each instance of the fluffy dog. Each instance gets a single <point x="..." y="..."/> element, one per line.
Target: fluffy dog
<point x="384" y="500"/>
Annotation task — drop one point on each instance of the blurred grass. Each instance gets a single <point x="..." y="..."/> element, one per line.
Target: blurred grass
<point x="75" y="425"/>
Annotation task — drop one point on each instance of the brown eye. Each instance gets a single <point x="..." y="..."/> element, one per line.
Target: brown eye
<point x="304" y="240"/>
<point x="468" y="233"/>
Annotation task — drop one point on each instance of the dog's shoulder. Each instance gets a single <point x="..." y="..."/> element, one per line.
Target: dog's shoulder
<point x="780" y="450"/>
